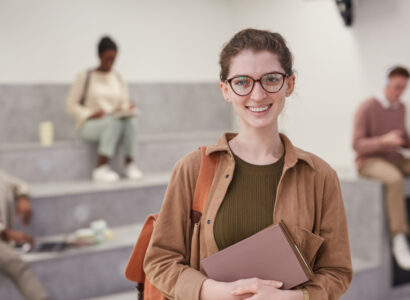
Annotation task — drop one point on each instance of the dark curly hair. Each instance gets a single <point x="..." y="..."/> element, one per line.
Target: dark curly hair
<point x="106" y="43"/>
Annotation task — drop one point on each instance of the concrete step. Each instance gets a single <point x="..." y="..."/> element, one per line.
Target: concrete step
<point x="74" y="161"/>
<point x="166" y="108"/>
<point x="129" y="295"/>
<point x="369" y="239"/>
<point x="84" y="272"/>
<point x="66" y="207"/>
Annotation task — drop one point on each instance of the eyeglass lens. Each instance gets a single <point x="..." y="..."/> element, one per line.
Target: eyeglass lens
<point x="271" y="82"/>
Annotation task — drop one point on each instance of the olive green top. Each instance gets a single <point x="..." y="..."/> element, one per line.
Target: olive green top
<point x="248" y="204"/>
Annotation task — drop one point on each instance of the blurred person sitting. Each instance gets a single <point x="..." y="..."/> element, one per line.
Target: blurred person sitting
<point x="379" y="133"/>
<point x="99" y="101"/>
<point x="14" y="200"/>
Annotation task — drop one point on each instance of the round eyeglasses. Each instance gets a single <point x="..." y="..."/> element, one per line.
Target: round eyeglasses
<point x="242" y="85"/>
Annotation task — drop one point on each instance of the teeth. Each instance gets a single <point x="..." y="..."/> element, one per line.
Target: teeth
<point x="258" y="109"/>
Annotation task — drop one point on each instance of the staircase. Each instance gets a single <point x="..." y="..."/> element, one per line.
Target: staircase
<point x="175" y="119"/>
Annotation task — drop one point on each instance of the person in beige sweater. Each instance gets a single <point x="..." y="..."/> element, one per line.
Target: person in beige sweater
<point x="99" y="102"/>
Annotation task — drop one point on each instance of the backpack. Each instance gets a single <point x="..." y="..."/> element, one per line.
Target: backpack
<point x="134" y="270"/>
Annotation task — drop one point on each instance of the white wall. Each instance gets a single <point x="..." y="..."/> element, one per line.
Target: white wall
<point x="337" y="67"/>
<point x="47" y="41"/>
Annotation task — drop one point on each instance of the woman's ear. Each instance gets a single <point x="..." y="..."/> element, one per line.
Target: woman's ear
<point x="290" y="86"/>
<point x="224" y="90"/>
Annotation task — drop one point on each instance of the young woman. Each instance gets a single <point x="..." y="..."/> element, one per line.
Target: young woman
<point x="96" y="100"/>
<point x="261" y="179"/>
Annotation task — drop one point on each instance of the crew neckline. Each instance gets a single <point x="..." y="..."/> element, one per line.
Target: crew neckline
<point x="265" y="169"/>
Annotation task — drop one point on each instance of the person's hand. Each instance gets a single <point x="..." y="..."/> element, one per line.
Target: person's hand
<point x="216" y="290"/>
<point x="18" y="237"/>
<point x="393" y="138"/>
<point x="99" y="114"/>
<point x="259" y="289"/>
<point x="23" y="209"/>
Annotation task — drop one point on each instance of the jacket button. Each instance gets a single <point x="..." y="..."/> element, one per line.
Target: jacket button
<point x="227" y="176"/>
<point x="209" y="221"/>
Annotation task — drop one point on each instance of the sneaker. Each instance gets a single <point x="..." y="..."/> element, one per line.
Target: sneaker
<point x="132" y="171"/>
<point x="105" y="174"/>
<point x="401" y="251"/>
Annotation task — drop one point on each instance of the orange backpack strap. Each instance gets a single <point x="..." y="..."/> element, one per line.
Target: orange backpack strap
<point x="207" y="170"/>
<point x="134" y="270"/>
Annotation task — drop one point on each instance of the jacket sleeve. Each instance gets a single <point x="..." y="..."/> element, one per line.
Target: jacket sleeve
<point x="333" y="268"/>
<point x="166" y="262"/>
<point x="362" y="143"/>
<point x="80" y="112"/>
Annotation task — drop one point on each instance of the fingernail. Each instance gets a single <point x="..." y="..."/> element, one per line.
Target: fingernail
<point x="279" y="284"/>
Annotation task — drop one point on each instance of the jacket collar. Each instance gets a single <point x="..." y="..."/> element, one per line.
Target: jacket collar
<point x="292" y="153"/>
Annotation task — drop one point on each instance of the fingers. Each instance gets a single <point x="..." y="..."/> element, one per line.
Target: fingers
<point x="19" y="237"/>
<point x="254" y="285"/>
<point x="274" y="283"/>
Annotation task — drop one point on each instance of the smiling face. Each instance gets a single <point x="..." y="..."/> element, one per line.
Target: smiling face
<point x="258" y="109"/>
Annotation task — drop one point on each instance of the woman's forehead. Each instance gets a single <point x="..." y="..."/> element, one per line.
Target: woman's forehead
<point x="254" y="64"/>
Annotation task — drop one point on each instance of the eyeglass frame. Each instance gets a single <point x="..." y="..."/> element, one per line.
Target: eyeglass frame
<point x="258" y="80"/>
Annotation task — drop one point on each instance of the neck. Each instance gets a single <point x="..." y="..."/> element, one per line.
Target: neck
<point x="100" y="69"/>
<point x="258" y="145"/>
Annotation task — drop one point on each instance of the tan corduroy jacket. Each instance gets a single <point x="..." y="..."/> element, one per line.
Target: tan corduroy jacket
<point x="308" y="200"/>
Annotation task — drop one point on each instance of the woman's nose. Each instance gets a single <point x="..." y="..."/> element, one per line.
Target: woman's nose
<point x="258" y="93"/>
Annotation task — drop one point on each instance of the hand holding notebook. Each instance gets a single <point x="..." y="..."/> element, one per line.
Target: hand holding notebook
<point x="269" y="254"/>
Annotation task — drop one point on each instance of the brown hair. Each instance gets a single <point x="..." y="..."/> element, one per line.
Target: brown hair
<point x="257" y="40"/>
<point x="398" y="71"/>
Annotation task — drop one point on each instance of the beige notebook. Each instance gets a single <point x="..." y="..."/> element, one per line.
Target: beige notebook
<point x="268" y="254"/>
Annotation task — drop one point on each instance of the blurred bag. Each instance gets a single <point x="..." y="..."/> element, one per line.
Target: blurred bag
<point x="134" y="270"/>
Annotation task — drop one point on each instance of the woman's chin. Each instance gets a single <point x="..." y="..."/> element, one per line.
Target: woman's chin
<point x="262" y="124"/>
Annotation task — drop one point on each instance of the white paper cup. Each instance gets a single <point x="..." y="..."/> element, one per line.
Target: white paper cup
<point x="46" y="133"/>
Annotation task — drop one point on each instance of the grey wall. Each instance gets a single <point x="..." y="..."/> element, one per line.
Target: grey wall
<point x="166" y="108"/>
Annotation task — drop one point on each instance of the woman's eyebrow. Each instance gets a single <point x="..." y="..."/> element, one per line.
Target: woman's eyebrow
<point x="274" y="71"/>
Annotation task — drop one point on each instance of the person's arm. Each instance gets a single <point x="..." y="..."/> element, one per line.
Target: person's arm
<point x="17" y="236"/>
<point x="74" y="108"/>
<point x="165" y="264"/>
<point x="332" y="269"/>
<point x="406" y="137"/>
<point x="20" y="192"/>
<point x="364" y="144"/>
<point x="361" y="142"/>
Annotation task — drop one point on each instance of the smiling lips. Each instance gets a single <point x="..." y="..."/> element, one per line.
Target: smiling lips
<point x="259" y="108"/>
